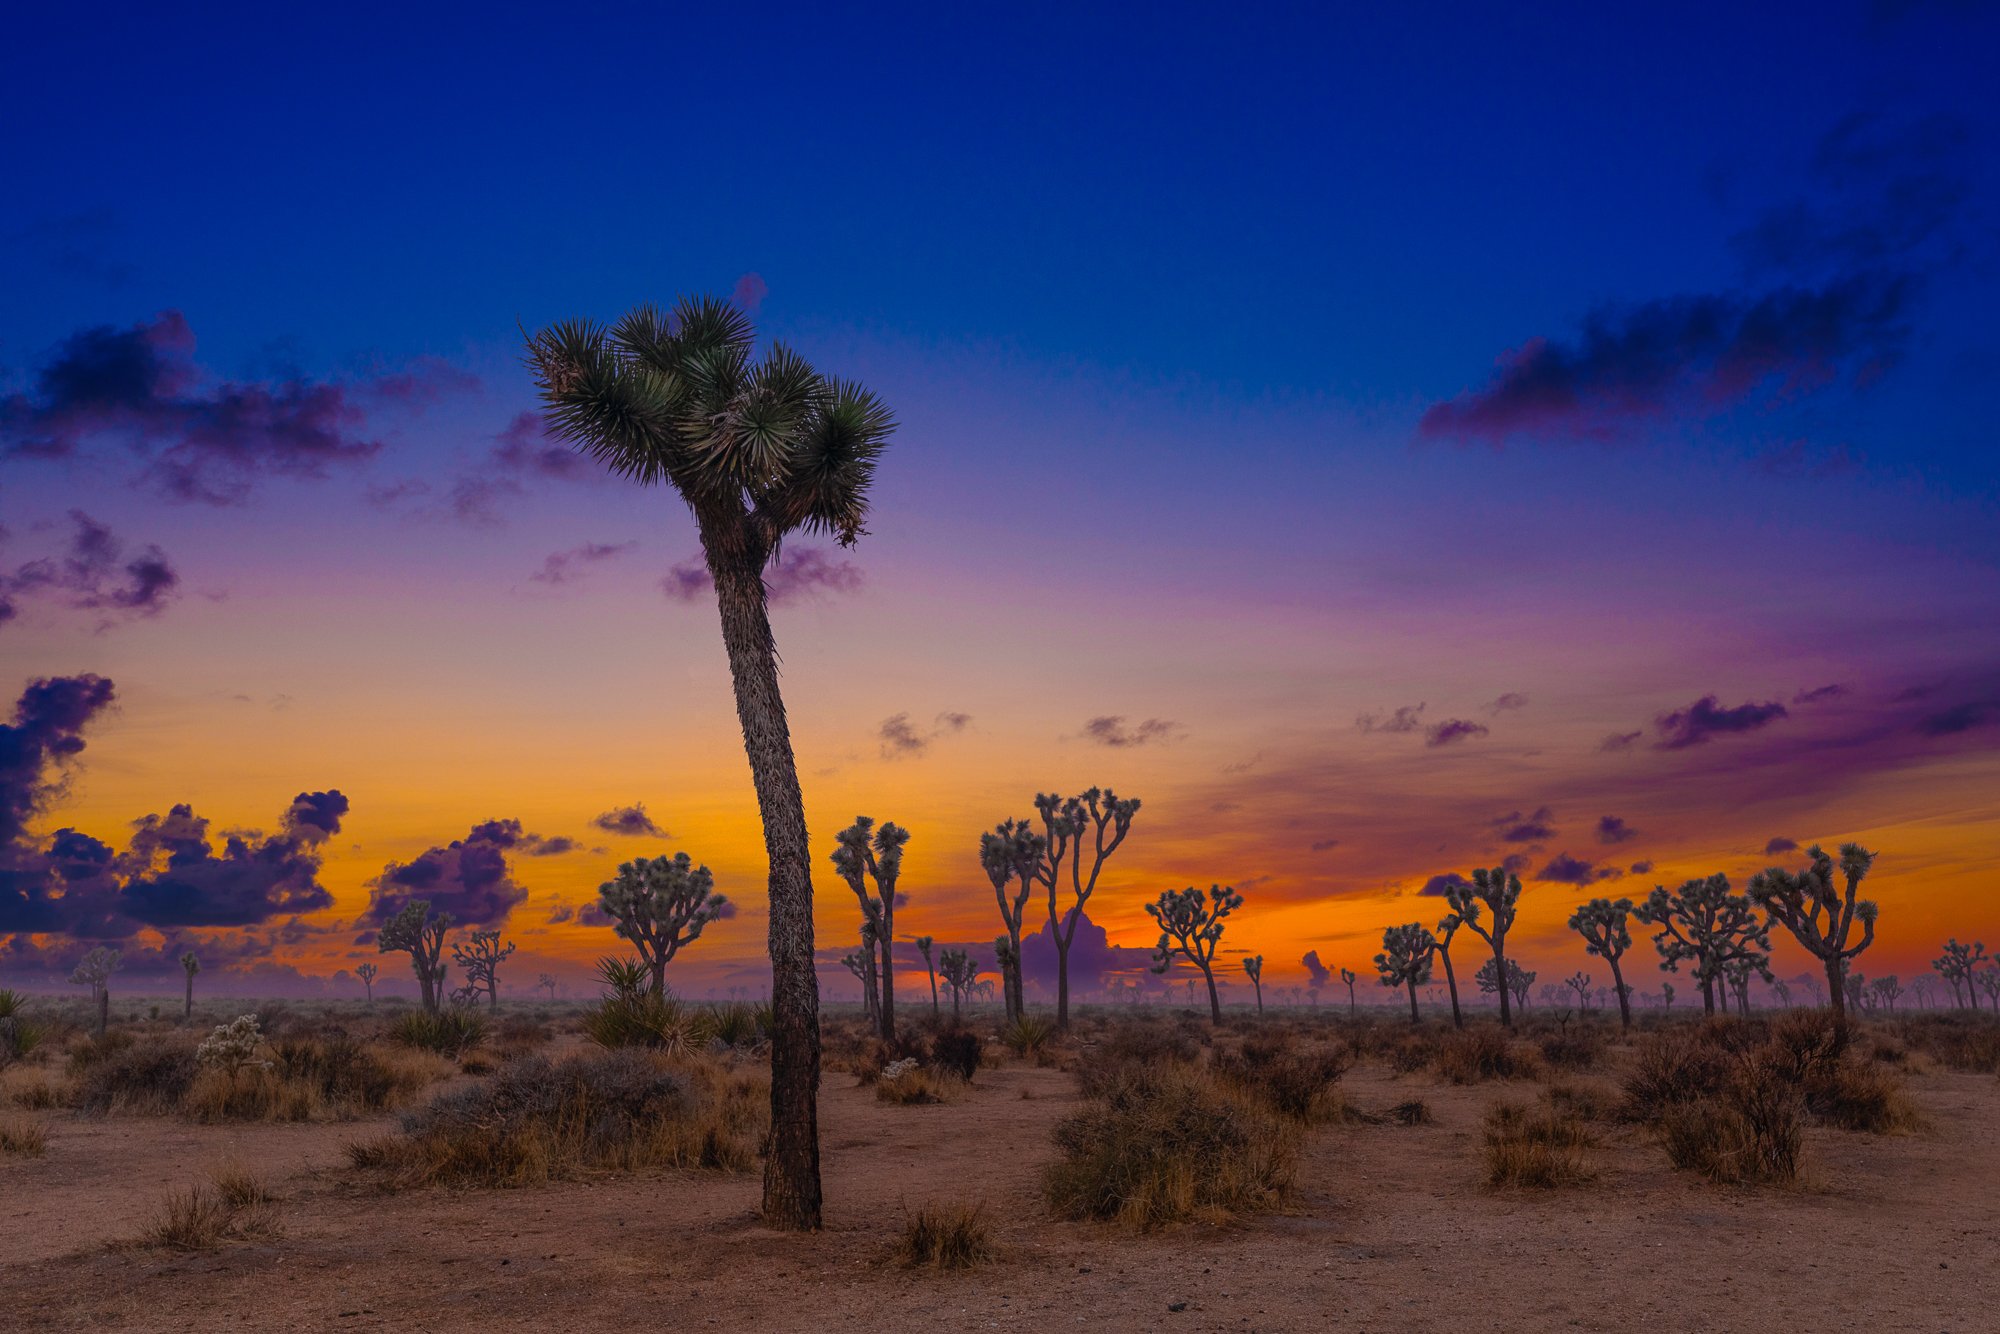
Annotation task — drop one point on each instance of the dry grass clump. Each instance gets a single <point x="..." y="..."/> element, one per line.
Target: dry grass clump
<point x="23" y="1137"/>
<point x="1541" y="1146"/>
<point x="452" y="1032"/>
<point x="1168" y="1143"/>
<point x="1959" y="1040"/>
<point x="1300" y="1083"/>
<point x="1575" y="1045"/>
<point x="1483" y="1052"/>
<point x="202" y="1217"/>
<point x="911" y="1083"/>
<point x="1414" y="1112"/>
<point x="32" y="1089"/>
<point x="1756" y="1135"/>
<point x="1672" y="1067"/>
<point x="537" y="1120"/>
<point x="148" y="1078"/>
<point x="946" y="1236"/>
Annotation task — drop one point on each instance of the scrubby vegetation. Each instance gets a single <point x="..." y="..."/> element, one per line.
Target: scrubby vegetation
<point x="947" y="1236"/>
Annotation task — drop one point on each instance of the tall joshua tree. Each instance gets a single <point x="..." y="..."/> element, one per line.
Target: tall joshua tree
<point x="1254" y="966"/>
<point x="1500" y="891"/>
<point x="924" y="944"/>
<point x="1821" y="917"/>
<point x="1604" y="926"/>
<point x="1096" y="821"/>
<point x="758" y="449"/>
<point x="661" y="904"/>
<point x="1960" y="963"/>
<point x="189" y="965"/>
<point x="1191" y="926"/>
<point x="1405" y="960"/>
<point x="366" y="972"/>
<point x="481" y="959"/>
<point x="1446" y="930"/>
<point x="865" y="852"/>
<point x="1703" y="923"/>
<point x="413" y="931"/>
<point x="1012" y="854"/>
<point x="1349" y="976"/>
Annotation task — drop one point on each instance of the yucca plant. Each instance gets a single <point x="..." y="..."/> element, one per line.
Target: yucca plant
<point x="758" y="449"/>
<point x="1027" y="1035"/>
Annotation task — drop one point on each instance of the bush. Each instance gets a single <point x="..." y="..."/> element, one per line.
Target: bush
<point x="947" y="1236"/>
<point x="1481" y="1053"/>
<point x="23" y="1136"/>
<point x="739" y="1024"/>
<point x="536" y="1120"/>
<point x="18" y="1037"/>
<point x="1672" y="1068"/>
<point x="1415" y="1112"/>
<point x="201" y="1218"/>
<point x="1165" y="1144"/>
<point x="1301" y="1085"/>
<point x="1573" y="1046"/>
<point x="662" y="1023"/>
<point x="451" y="1032"/>
<point x="1029" y="1034"/>
<point x="1541" y="1147"/>
<point x="908" y="1082"/>
<point x="149" y="1078"/>
<point x="957" y="1050"/>
<point x="1755" y="1139"/>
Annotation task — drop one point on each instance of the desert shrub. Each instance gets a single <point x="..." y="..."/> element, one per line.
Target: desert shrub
<point x="1414" y="1112"/>
<point x="519" y="1034"/>
<point x="1302" y="1084"/>
<point x="98" y="1048"/>
<point x="538" y="1120"/>
<point x="641" y="1019"/>
<point x="957" y="1050"/>
<point x="33" y="1090"/>
<point x="202" y="1217"/>
<point x="1590" y="1102"/>
<point x="451" y="1032"/>
<point x="1481" y="1053"/>
<point x="739" y="1024"/>
<point x="1961" y="1042"/>
<point x="1573" y="1046"/>
<point x="1029" y="1035"/>
<point x="1149" y="1042"/>
<point x="1727" y="1143"/>
<point x="1854" y="1096"/>
<point x="239" y="1187"/>
<point x="149" y="1077"/>
<point x="1168" y="1143"/>
<point x="909" y="1082"/>
<point x="22" y="1136"/>
<point x="18" y="1036"/>
<point x="946" y="1236"/>
<point x="1672" y="1067"/>
<point x="1538" y="1146"/>
<point x="1409" y="1055"/>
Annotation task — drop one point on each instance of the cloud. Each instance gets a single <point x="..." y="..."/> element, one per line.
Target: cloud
<point x="1515" y="827"/>
<point x="1960" y="718"/>
<point x="203" y="438"/>
<point x="510" y="834"/>
<point x="1704" y="719"/>
<point x="1316" y="970"/>
<point x="1093" y="959"/>
<point x="629" y="821"/>
<point x="1404" y="719"/>
<point x="1453" y="730"/>
<point x="1564" y="869"/>
<point x="1613" y="829"/>
<point x="750" y="292"/>
<point x="184" y="882"/>
<point x="94" y="575"/>
<point x="799" y="573"/>
<point x="1641" y="868"/>
<point x="902" y="739"/>
<point x="469" y="878"/>
<point x="1819" y="694"/>
<point x="1618" y="741"/>
<point x="1780" y="844"/>
<point x="46" y="733"/>
<point x="524" y="449"/>
<point x="564" y="567"/>
<point x="1438" y="886"/>
<point x="1112" y="730"/>
<point x="1322" y="844"/>
<point x="1508" y="702"/>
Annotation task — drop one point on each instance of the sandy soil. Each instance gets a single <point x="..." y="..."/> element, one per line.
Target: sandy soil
<point x="1391" y="1231"/>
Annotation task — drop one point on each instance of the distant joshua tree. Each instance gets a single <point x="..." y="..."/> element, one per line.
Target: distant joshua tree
<point x="1105" y="818"/>
<point x="366" y="972"/>
<point x="960" y="972"/>
<point x="1820" y="917"/>
<point x="866" y="852"/>
<point x="661" y="905"/>
<point x="413" y="931"/>
<point x="1921" y="987"/>
<point x="1191" y="926"/>
<point x="1737" y="973"/>
<point x="1958" y="964"/>
<point x="1446" y="930"/>
<point x="1349" y="976"/>
<point x="1989" y="982"/>
<point x="189" y="965"/>
<point x="924" y="944"/>
<point x="94" y="970"/>
<point x="1602" y="924"/>
<point x="1783" y="990"/>
<point x="1887" y="989"/>
<point x="1405" y="960"/>
<point x="1703" y="923"/>
<point x="547" y="982"/>
<point x="1012" y="854"/>
<point x="481" y="960"/>
<point x="1500" y="891"/>
<point x="1519" y="979"/>
<point x="1254" y="965"/>
<point x="1579" y="982"/>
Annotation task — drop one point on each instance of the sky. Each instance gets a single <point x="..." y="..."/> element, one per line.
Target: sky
<point x="1386" y="443"/>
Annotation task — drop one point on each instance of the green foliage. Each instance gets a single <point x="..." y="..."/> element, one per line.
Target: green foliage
<point x="450" y="1032"/>
<point x="1029" y="1034"/>
<point x="663" y="1023"/>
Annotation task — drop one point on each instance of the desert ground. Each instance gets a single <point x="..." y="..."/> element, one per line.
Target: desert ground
<point x="1383" y="1225"/>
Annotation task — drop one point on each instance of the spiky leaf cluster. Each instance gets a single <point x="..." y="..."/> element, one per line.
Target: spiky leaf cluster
<point x="660" y="904"/>
<point x="1604" y="926"/>
<point x="1819" y="915"/>
<point x="1191" y="924"/>
<point x="1407" y="952"/>
<point x="1705" y="924"/>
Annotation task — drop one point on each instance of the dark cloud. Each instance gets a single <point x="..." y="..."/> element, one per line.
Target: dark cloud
<point x="1515" y="862"/>
<point x="1515" y="827"/>
<point x="94" y="575"/>
<point x="510" y="834"/>
<point x="176" y="879"/>
<point x="1960" y="718"/>
<point x="1564" y="869"/>
<point x="1613" y="829"/>
<point x="1093" y="959"/>
<point x="524" y="449"/>
<point x="1451" y="730"/>
<point x="631" y="821"/>
<point x="1112" y="730"/>
<point x="1641" y="868"/>
<point x="468" y="878"/>
<point x="798" y="574"/>
<point x="1819" y="694"/>
<point x="1706" y="718"/>
<point x="902" y="739"/>
<point x="1618" y="741"/>
<point x="1315" y="970"/>
<point x="564" y="567"/>
<point x="1404" y="719"/>
<point x="204" y="439"/>
<point x="1438" y="886"/>
<point x="1508" y="702"/>
<point x="46" y="733"/>
<point x="1323" y="844"/>
<point x="1780" y="844"/>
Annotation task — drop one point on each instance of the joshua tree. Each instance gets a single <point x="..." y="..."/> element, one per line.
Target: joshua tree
<point x="1989" y="982"/>
<point x="960" y="972"/>
<point x="1254" y="965"/>
<point x="481" y="961"/>
<point x="189" y="965"/>
<point x="1500" y="892"/>
<point x="1667" y="995"/>
<point x="1446" y="930"/>
<point x="1405" y="960"/>
<point x="1887" y="989"/>
<point x="1105" y="819"/>
<point x="858" y="858"/>
<point x="94" y="970"/>
<point x="1349" y="976"/>
<point x="1519" y="980"/>
<point x="367" y="972"/>
<point x="1820" y="917"/>
<point x="1958" y="964"/>
<point x="863" y="967"/>
<point x="1012" y="854"/>
<point x="1191" y="926"/>
<point x="1603" y="925"/>
<point x="1920" y="987"/>
<point x="547" y="982"/>
<point x="924" y="947"/>
<point x="414" y="932"/>
<point x="758" y="450"/>
<point x="661" y="904"/>
<point x="1704" y="924"/>
<point x="1784" y="991"/>
<point x="1579" y="982"/>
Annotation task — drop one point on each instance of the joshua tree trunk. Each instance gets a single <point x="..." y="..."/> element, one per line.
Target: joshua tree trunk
<point x="888" y="943"/>
<point x="103" y="1010"/>
<point x="1214" y="1002"/>
<point x="1258" y="983"/>
<point x="187" y="1011"/>
<point x="1708" y="995"/>
<point x="1500" y="976"/>
<point x="792" y="1195"/>
<point x="1062" y="981"/>
<point x="1836" y="991"/>
<point x="1451" y="982"/>
<point x="1624" y="1001"/>
<point x="928" y="968"/>
<point x="1412" y="984"/>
